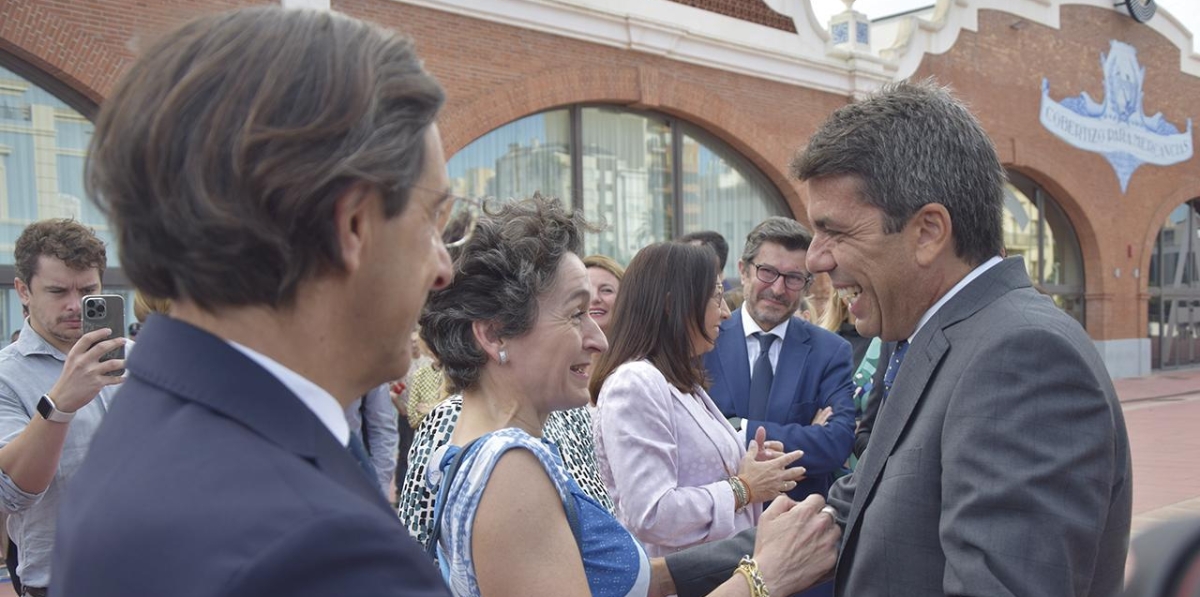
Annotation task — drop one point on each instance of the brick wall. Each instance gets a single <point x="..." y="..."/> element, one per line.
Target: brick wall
<point x="495" y="74"/>
<point x="999" y="70"/>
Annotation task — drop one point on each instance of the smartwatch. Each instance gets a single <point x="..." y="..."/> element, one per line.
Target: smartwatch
<point x="50" y="412"/>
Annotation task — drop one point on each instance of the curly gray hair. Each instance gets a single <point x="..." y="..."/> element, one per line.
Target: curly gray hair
<point x="510" y="260"/>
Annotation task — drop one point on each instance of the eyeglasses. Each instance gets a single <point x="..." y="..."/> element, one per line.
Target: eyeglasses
<point x="457" y="219"/>
<point x="797" y="282"/>
<point x="718" y="296"/>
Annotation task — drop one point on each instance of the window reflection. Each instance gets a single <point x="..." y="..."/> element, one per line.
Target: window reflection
<point x="1174" y="317"/>
<point x="43" y="146"/>
<point x="517" y="159"/>
<point x="722" y="192"/>
<point x="627" y="180"/>
<point x="1036" y="229"/>
<point x="634" y="170"/>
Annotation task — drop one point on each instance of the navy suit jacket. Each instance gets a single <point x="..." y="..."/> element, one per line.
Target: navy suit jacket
<point x="209" y="477"/>
<point x="814" y="371"/>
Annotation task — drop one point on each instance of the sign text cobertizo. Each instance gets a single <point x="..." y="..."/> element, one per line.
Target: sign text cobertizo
<point x="1118" y="127"/>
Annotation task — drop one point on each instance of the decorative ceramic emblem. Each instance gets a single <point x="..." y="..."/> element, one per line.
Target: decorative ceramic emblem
<point x="1117" y="127"/>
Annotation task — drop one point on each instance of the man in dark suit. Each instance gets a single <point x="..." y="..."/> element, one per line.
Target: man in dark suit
<point x="999" y="462"/>
<point x="800" y="389"/>
<point x="278" y="175"/>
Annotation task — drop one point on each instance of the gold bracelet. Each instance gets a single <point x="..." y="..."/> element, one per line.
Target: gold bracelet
<point x="741" y="498"/>
<point x="749" y="569"/>
<point x="749" y="494"/>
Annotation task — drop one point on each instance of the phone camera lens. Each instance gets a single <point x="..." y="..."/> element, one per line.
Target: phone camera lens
<point x="91" y="313"/>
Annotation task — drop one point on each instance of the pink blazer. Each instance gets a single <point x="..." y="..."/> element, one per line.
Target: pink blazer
<point x="664" y="456"/>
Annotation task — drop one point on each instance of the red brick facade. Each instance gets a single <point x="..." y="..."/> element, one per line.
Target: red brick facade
<point x="496" y="73"/>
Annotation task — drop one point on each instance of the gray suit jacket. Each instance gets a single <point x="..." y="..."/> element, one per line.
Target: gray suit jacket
<point x="999" y="464"/>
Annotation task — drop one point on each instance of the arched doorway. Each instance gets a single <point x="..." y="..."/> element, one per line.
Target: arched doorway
<point x="1175" y="290"/>
<point x="1036" y="228"/>
<point x="648" y="176"/>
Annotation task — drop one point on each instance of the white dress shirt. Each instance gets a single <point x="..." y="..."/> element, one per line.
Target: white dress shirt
<point x="321" y="403"/>
<point x="752" y="345"/>
<point x="975" y="273"/>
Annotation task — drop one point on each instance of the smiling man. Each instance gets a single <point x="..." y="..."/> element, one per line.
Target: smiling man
<point x="799" y="387"/>
<point x="999" y="462"/>
<point x="53" y="388"/>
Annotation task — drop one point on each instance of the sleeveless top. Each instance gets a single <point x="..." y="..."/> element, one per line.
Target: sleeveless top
<point x="613" y="561"/>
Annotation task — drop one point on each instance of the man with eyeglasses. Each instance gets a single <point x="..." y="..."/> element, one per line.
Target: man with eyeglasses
<point x="774" y="370"/>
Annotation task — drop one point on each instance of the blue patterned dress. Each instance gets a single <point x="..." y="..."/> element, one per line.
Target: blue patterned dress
<point x="613" y="561"/>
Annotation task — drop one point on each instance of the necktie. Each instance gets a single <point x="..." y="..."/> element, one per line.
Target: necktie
<point x="761" y="377"/>
<point x="893" y="367"/>
<point x="360" y="454"/>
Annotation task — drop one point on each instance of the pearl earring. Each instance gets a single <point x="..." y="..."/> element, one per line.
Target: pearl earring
<point x="503" y="357"/>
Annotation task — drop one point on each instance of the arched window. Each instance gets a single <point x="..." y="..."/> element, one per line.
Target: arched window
<point x="1036" y="228"/>
<point x="43" y="146"/>
<point x="650" y="177"/>
<point x="1175" y="290"/>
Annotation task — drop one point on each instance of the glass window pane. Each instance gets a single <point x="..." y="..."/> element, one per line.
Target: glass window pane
<point x="627" y="180"/>
<point x="529" y="155"/>
<point x="43" y="146"/>
<point x="1021" y="224"/>
<point x="1036" y="228"/>
<point x="722" y="191"/>
<point x="1173" y="265"/>
<point x="1065" y="267"/>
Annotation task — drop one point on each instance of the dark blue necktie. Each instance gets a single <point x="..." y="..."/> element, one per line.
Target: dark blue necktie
<point x="893" y="367"/>
<point x="761" y="377"/>
<point x="359" y="451"/>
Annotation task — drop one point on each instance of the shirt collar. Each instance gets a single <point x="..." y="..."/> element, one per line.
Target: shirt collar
<point x="750" y="327"/>
<point x="321" y="403"/>
<point x="31" y="342"/>
<point x="975" y="273"/>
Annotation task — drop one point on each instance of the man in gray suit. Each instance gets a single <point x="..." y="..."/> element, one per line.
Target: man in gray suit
<point x="999" y="463"/>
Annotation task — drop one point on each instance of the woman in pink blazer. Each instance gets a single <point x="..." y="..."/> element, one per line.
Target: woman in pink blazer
<point x="677" y="471"/>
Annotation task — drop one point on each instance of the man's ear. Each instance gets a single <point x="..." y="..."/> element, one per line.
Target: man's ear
<point x="23" y="291"/>
<point x="933" y="233"/>
<point x="487" y="335"/>
<point x="351" y="214"/>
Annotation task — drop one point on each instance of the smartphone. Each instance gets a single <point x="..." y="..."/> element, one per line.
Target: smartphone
<point x="106" y="311"/>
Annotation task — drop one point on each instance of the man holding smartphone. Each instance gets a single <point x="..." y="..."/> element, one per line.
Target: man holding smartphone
<point x="53" y="388"/>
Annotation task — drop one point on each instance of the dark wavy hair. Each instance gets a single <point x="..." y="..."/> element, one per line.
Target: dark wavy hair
<point x="663" y="299"/>
<point x="220" y="155"/>
<point x="64" y="239"/>
<point x="911" y="144"/>
<point x="511" y="259"/>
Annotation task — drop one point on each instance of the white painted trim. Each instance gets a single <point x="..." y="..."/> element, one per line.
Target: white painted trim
<point x="805" y="59"/>
<point x="936" y="35"/>
<point x="687" y="34"/>
<point x="314" y="4"/>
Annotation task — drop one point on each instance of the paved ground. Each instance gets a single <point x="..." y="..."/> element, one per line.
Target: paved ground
<point x="1162" y="413"/>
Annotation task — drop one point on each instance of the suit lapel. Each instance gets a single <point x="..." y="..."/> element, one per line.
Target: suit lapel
<point x="735" y="364"/>
<point x="695" y="408"/>
<point x="792" y="358"/>
<point x="922" y="359"/>
<point x="202" y="368"/>
<point x="928" y="349"/>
